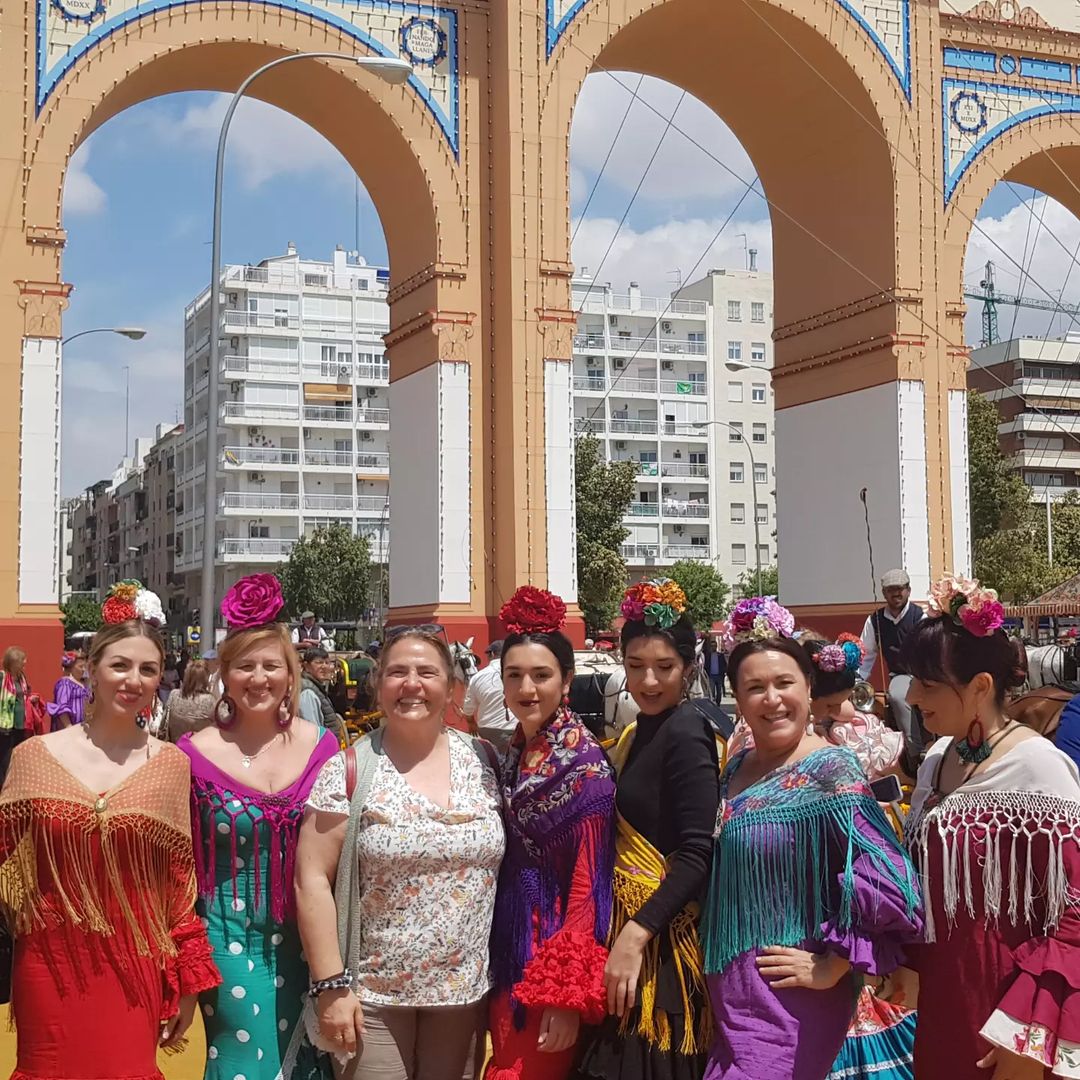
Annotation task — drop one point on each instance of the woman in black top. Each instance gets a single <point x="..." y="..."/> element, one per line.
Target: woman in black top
<point x="658" y="1027"/>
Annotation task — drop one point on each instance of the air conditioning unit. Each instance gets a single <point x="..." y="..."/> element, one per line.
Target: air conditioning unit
<point x="667" y="365"/>
<point x="253" y="431"/>
<point x="366" y="436"/>
<point x="618" y="363"/>
<point x="666" y="327"/>
<point x="307" y="433"/>
<point x="620" y="445"/>
<point x="255" y="477"/>
<point x="372" y="391"/>
<point x="344" y="370"/>
<point x="679" y="530"/>
<point x="677" y="454"/>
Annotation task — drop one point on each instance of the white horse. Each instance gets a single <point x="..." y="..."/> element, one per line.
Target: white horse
<point x="465" y="666"/>
<point x="1050" y="665"/>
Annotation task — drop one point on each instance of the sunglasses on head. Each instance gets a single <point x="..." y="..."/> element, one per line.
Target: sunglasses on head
<point x="428" y="629"/>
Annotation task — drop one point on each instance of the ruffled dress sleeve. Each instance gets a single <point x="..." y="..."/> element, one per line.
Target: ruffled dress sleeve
<point x="67" y="700"/>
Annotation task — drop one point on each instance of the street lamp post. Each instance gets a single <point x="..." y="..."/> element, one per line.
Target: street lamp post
<point x="133" y="333"/>
<point x="392" y="70"/>
<point x="753" y="488"/>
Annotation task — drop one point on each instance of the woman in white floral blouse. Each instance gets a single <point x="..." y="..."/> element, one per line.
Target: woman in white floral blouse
<point x="396" y="872"/>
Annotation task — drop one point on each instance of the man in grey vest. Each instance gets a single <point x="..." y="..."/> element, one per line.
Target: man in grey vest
<point x="882" y="636"/>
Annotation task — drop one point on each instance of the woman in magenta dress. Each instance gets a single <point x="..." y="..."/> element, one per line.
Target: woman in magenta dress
<point x="100" y="880"/>
<point x="994" y="831"/>
<point x="553" y="906"/>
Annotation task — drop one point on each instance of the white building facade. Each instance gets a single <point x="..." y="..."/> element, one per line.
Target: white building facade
<point x="304" y="425"/>
<point x="650" y="379"/>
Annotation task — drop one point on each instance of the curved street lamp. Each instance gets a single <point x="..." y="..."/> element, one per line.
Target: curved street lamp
<point x="133" y="333"/>
<point x="390" y="69"/>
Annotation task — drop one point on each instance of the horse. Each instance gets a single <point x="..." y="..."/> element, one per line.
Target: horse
<point x="1050" y="665"/>
<point x="465" y="662"/>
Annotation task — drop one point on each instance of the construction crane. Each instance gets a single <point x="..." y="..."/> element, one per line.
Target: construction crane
<point x="990" y="298"/>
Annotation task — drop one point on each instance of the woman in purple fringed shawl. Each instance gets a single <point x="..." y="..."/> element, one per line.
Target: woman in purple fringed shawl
<point x="251" y="773"/>
<point x="553" y="906"/>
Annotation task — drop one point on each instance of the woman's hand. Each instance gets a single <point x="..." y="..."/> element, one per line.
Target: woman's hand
<point x="175" y="1028"/>
<point x="341" y="1019"/>
<point x="784" y="969"/>
<point x="623" y="968"/>
<point x="558" y="1030"/>
<point x="1010" y="1066"/>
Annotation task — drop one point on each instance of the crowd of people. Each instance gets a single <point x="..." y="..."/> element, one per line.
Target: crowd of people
<point x="533" y="905"/>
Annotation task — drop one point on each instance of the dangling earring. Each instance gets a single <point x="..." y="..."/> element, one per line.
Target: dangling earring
<point x="284" y="713"/>
<point x="90" y="696"/>
<point x="225" y="712"/>
<point x="974" y="748"/>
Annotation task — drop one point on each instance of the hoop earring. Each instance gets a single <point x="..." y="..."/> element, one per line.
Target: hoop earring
<point x="225" y="712"/>
<point x="284" y="714"/>
<point x="90" y="696"/>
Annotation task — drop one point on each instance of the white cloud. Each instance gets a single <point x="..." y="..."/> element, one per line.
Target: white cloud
<point x="1035" y="247"/>
<point x="82" y="195"/>
<point x="650" y="256"/>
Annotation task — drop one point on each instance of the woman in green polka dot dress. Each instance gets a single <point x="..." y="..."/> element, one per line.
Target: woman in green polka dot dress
<point x="251" y="774"/>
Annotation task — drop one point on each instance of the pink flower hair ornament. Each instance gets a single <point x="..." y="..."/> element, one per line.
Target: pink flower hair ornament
<point x="968" y="604"/>
<point x="755" y="619"/>
<point x="255" y="600"/>
<point x="844" y="654"/>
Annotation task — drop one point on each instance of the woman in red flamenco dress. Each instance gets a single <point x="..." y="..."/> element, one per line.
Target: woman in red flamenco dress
<point x="994" y="832"/>
<point x="98" y="880"/>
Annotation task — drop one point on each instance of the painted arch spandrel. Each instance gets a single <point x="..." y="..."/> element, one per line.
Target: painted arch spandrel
<point x="1034" y="14"/>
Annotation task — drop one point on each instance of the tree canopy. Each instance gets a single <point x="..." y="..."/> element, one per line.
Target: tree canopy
<point x="770" y="581"/>
<point x="706" y="591"/>
<point x="80" y="614"/>
<point x="329" y="573"/>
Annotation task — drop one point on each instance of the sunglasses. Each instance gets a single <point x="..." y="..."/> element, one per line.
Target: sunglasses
<point x="427" y="629"/>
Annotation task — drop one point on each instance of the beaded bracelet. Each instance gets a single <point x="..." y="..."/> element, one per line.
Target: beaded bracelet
<point x="341" y="981"/>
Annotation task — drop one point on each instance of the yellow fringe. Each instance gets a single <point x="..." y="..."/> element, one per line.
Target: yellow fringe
<point x="639" y="870"/>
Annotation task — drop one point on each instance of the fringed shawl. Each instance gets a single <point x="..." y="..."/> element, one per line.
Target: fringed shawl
<point x="219" y="800"/>
<point x="97" y="861"/>
<point x="784" y="868"/>
<point x="1004" y="833"/>
<point x="559" y="798"/>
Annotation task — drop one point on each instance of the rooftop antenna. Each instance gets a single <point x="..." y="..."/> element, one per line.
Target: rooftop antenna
<point x="745" y="247"/>
<point x="677" y="275"/>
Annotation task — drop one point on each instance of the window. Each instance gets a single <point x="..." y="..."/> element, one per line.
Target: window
<point x="696" y="336"/>
<point x="734" y="310"/>
<point x="259" y="532"/>
<point x="735" y="432"/>
<point x="734" y="391"/>
<point x="757" y="352"/>
<point x="761" y="515"/>
<point x="735" y="472"/>
<point x="738" y="554"/>
<point x="761" y="474"/>
<point x="699" y="541"/>
<point x="738" y="513"/>
<point x="761" y="433"/>
<point x="757" y="311"/>
<point x="757" y="393"/>
<point x="734" y="350"/>
<point x="763" y="554"/>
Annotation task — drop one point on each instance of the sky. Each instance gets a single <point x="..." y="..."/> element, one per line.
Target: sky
<point x="666" y="205"/>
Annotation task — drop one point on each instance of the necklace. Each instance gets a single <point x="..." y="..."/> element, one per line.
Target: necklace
<point x="989" y="744"/>
<point x="247" y="759"/>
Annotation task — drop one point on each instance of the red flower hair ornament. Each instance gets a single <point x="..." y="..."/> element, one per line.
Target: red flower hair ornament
<point x="533" y="611"/>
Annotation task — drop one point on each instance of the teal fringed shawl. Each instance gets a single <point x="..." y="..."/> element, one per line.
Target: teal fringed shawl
<point x="784" y="860"/>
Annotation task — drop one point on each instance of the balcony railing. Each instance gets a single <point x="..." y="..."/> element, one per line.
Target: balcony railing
<point x="674" y="509"/>
<point x="345" y="370"/>
<point x="328" y="414"/>
<point x="372" y="416"/>
<point x="590" y="383"/>
<point x="633" y="344"/>
<point x="255" y="548"/>
<point x="681" y="468"/>
<point x="594" y="342"/>
<point x="598" y="300"/>
<point x="260" y="455"/>
<point x="378" y="373"/>
<point x="329" y="458"/>
<point x="260" y="320"/>
<point x="249" y="500"/>
<point x="643" y="509"/>
<point x="373" y="461"/>
<point x="682" y="347"/>
<point x="695" y="387"/>
<point x="687" y="551"/>
<point x="253" y="365"/>
<point x="624" y="426"/>
<point x="248" y="410"/>
<point x="640" y="551"/>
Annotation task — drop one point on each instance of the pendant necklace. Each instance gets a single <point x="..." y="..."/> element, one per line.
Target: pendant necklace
<point x="247" y="759"/>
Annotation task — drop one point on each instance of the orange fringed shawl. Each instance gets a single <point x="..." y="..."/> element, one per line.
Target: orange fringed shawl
<point x="95" y="861"/>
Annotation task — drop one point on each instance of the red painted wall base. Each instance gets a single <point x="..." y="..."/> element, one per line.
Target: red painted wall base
<point x="43" y="640"/>
<point x="482" y="629"/>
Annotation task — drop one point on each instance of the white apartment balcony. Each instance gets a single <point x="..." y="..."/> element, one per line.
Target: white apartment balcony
<point x="1048" y="459"/>
<point x="682" y="347"/>
<point x="248" y="366"/>
<point x="275" y="274"/>
<point x="345" y="372"/>
<point x="675" y="509"/>
<point x="254" y="549"/>
<point x="638" y="345"/>
<point x="681" y="470"/>
<point x="373" y="461"/>
<point x="368" y="416"/>
<point x="682" y="387"/>
<point x="643" y="509"/>
<point x="234" y="502"/>
<point x="367" y="505"/>
<point x="338" y="415"/>
<point x="598" y="301"/>
<point x="589" y="343"/>
<point x="258" y="320"/>
<point x="261" y="457"/>
<point x="640" y="552"/>
<point x="329" y="459"/>
<point x="588" y="384"/>
<point x="262" y="414"/>
<point x="687" y="551"/>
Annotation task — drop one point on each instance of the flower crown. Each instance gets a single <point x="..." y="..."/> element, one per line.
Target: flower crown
<point x="533" y="611"/>
<point x="68" y="658"/>
<point x="968" y="604"/>
<point x="129" y="600"/>
<point x="844" y="654"/>
<point x="755" y="619"/>
<point x="255" y="600"/>
<point x="660" y="602"/>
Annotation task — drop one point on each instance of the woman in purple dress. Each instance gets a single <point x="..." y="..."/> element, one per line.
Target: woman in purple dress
<point x="810" y="888"/>
<point x="70" y="694"/>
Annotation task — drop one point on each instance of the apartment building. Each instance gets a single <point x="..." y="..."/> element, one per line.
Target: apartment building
<point x="304" y="421"/>
<point x="654" y="377"/>
<point x="1035" y="384"/>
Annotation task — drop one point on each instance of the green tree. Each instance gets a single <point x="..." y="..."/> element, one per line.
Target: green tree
<point x="706" y="591"/>
<point x="770" y="581"/>
<point x="80" y="614"/>
<point x="1066" y="525"/>
<point x="328" y="573"/>
<point x="1012" y="562"/>
<point x="999" y="497"/>
<point x="604" y="491"/>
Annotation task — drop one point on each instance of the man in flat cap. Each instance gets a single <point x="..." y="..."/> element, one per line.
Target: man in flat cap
<point x="882" y="636"/>
<point x="309" y="635"/>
